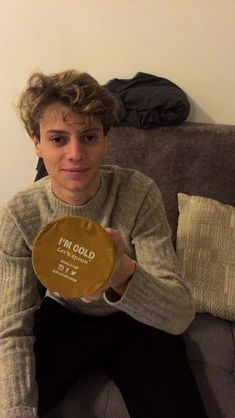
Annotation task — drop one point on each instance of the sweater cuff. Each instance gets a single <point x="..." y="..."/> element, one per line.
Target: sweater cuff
<point x="110" y="296"/>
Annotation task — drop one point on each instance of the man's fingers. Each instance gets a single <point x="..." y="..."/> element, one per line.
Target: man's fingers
<point x="93" y="296"/>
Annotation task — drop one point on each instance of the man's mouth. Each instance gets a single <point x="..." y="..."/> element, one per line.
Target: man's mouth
<point x="75" y="170"/>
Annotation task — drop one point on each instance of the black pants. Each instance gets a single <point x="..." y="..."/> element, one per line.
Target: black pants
<point x="148" y="365"/>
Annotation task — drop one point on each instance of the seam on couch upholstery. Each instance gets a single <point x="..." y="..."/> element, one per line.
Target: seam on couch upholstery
<point x="107" y="400"/>
<point x="232" y="326"/>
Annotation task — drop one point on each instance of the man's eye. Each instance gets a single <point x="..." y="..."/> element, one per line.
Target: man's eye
<point x="58" y="139"/>
<point x="89" y="138"/>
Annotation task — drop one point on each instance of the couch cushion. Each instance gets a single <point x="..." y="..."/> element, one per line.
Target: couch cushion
<point x="211" y="351"/>
<point x="210" y="340"/>
<point x="217" y="388"/>
<point x="94" y="395"/>
<point x="206" y="249"/>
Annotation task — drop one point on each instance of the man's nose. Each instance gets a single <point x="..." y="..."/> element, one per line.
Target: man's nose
<point x="75" y="150"/>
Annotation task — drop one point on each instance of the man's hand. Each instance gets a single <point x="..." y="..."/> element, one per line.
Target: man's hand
<point x="123" y="269"/>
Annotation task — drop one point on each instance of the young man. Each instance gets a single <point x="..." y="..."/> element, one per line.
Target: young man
<point x="131" y="325"/>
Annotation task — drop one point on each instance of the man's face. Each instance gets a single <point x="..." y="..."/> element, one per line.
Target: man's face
<point x="72" y="151"/>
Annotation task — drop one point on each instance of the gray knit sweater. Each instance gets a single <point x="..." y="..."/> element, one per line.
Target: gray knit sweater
<point x="128" y="201"/>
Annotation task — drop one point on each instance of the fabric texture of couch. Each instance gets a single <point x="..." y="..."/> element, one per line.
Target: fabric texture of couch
<point x="194" y="159"/>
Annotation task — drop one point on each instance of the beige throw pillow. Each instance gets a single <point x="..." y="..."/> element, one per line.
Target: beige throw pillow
<point x="206" y="249"/>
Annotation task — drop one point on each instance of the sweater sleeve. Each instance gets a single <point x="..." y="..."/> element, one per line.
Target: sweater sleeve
<point x="18" y="301"/>
<point x="156" y="295"/>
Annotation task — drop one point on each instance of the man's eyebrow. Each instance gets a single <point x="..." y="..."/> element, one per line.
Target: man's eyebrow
<point x="91" y="128"/>
<point x="85" y="129"/>
<point x="57" y="131"/>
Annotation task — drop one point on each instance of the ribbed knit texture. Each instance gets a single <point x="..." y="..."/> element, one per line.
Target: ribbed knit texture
<point x="156" y="295"/>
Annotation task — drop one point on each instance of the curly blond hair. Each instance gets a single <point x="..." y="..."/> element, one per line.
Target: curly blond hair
<point x="76" y="91"/>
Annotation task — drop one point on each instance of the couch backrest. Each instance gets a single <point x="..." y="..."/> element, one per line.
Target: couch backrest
<point x="191" y="158"/>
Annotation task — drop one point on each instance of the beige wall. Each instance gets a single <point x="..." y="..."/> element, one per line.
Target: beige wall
<point x="191" y="42"/>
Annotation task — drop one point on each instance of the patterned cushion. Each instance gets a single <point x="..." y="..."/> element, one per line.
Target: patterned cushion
<point x="206" y="249"/>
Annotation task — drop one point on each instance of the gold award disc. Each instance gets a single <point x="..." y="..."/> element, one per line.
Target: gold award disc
<point x="73" y="256"/>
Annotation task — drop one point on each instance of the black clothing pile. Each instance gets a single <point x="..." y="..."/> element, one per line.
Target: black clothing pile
<point x="147" y="101"/>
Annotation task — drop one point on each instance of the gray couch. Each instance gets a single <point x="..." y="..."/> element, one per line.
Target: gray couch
<point x="195" y="159"/>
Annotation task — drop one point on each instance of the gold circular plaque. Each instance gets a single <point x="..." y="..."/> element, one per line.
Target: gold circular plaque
<point x="73" y="256"/>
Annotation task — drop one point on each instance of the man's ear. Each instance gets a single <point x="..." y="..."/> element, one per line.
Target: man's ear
<point x="37" y="146"/>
